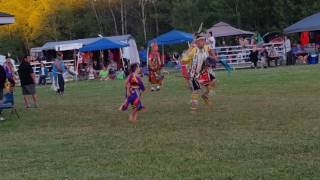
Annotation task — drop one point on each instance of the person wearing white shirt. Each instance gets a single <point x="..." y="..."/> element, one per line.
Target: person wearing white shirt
<point x="288" y="51"/>
<point x="212" y="41"/>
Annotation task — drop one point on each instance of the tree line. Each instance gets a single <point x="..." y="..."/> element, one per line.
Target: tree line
<point x="40" y="21"/>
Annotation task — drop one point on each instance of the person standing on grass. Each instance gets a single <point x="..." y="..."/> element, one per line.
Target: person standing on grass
<point x="58" y="69"/>
<point x="155" y="76"/>
<point x="288" y="51"/>
<point x="28" y="83"/>
<point x="264" y="57"/>
<point x="212" y="41"/>
<point x="134" y="88"/>
<point x="2" y="85"/>
<point x="254" y="57"/>
<point x="10" y="71"/>
<point x="201" y="61"/>
<point x="43" y="74"/>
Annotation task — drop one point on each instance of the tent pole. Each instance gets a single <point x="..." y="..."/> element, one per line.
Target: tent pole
<point x="100" y="57"/>
<point x="147" y="56"/>
<point x="75" y="59"/>
<point x="77" y="65"/>
<point x="122" y="58"/>
<point x="163" y="54"/>
<point x="75" y="62"/>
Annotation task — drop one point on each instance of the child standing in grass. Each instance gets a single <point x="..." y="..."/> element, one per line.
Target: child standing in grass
<point x="134" y="88"/>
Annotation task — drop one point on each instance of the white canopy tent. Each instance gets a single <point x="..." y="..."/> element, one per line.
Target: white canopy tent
<point x="66" y="47"/>
<point x="223" y="29"/>
<point x="130" y="52"/>
<point x="2" y="59"/>
<point x="6" y="19"/>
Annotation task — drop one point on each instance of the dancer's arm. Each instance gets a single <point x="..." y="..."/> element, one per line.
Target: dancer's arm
<point x="127" y="86"/>
<point x="188" y="56"/>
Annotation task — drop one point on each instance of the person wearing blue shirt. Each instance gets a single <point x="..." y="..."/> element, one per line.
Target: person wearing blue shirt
<point x="58" y="69"/>
<point x="43" y="74"/>
<point x="300" y="53"/>
<point x="143" y="56"/>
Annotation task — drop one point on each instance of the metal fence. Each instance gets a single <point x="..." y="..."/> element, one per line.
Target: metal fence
<point x="36" y="68"/>
<point x="238" y="56"/>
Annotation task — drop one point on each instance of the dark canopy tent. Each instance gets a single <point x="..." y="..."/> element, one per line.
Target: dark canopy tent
<point x="103" y="44"/>
<point x="172" y="37"/>
<point x="311" y="23"/>
<point x="223" y="29"/>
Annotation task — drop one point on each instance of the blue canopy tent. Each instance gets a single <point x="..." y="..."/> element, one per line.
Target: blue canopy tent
<point x="172" y="37"/>
<point x="169" y="38"/>
<point x="311" y="23"/>
<point x="103" y="44"/>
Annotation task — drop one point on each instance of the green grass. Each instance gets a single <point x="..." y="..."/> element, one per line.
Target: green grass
<point x="264" y="124"/>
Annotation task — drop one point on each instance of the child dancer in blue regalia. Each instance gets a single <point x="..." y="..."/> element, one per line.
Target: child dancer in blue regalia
<point x="134" y="87"/>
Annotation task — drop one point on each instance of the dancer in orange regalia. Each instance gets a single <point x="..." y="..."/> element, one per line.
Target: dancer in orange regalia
<point x="154" y="65"/>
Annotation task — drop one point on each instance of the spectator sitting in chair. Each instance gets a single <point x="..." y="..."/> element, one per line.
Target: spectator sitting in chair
<point x="254" y="56"/>
<point x="96" y="68"/>
<point x="241" y="42"/>
<point x="112" y="69"/>
<point x="104" y="74"/>
<point x="264" y="57"/>
<point x="176" y="59"/>
<point x="43" y="74"/>
<point x="300" y="53"/>
<point x="121" y="74"/>
<point x="273" y="56"/>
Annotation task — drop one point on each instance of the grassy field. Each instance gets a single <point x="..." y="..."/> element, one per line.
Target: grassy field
<point x="264" y="124"/>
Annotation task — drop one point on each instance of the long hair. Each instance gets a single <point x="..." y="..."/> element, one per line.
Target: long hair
<point x="133" y="67"/>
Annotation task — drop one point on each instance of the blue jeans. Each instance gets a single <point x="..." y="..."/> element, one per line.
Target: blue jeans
<point x="42" y="80"/>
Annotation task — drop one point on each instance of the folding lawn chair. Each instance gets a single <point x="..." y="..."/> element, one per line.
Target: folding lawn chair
<point x="8" y="103"/>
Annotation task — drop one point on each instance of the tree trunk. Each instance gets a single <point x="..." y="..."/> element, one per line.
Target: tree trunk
<point x="156" y="18"/>
<point x="122" y="17"/>
<point x="114" y="18"/>
<point x="96" y="15"/>
<point x="125" y="19"/>
<point x="143" y="18"/>
<point x="55" y="28"/>
<point x="27" y="46"/>
<point x="238" y="13"/>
